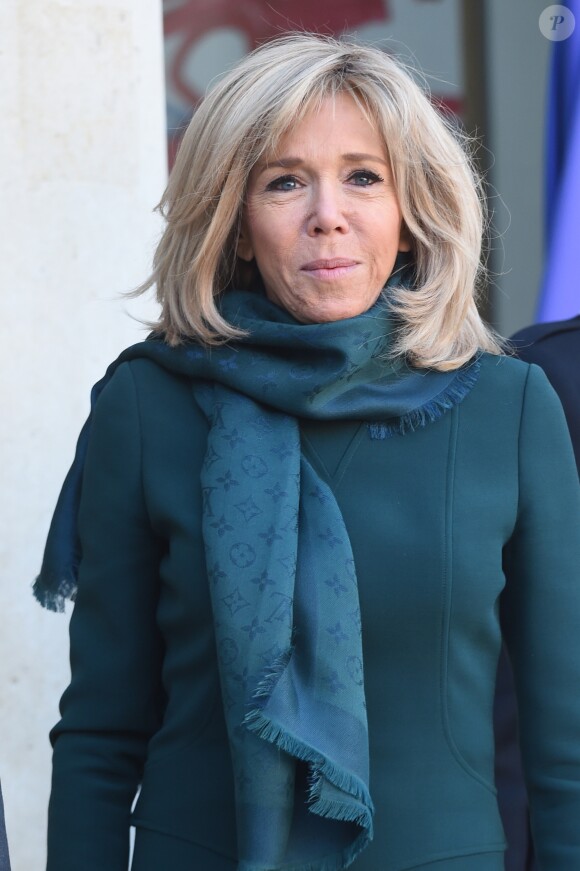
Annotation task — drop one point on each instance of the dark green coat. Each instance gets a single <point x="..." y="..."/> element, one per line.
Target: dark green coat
<point x="484" y="502"/>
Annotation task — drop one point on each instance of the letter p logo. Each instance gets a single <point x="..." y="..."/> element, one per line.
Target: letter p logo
<point x="557" y="23"/>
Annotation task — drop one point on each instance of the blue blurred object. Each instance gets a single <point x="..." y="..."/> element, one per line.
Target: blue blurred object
<point x="4" y="858"/>
<point x="560" y="295"/>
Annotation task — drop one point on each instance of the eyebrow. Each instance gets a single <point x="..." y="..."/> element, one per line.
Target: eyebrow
<point x="291" y="161"/>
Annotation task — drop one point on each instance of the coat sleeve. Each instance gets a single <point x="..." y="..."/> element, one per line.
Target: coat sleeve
<point x="541" y="618"/>
<point x="113" y="703"/>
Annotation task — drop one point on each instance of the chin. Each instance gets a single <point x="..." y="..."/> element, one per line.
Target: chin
<point x="330" y="313"/>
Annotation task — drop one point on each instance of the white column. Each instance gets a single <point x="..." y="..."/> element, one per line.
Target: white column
<point x="82" y="164"/>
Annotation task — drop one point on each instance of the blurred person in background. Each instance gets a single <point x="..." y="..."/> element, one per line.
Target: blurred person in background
<point x="555" y="346"/>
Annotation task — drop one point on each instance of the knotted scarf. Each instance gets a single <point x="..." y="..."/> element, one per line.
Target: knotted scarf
<point x="279" y="563"/>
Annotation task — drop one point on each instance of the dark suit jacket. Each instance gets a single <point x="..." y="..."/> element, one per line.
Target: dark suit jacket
<point x="556" y="348"/>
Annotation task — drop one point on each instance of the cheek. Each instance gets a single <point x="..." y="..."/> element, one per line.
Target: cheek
<point x="266" y="248"/>
<point x="274" y="249"/>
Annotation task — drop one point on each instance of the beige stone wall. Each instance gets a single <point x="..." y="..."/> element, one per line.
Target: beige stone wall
<point x="82" y="163"/>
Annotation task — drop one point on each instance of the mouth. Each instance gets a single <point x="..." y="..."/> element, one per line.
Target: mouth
<point x="333" y="268"/>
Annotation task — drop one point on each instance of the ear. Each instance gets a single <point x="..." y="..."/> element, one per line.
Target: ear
<point x="245" y="249"/>
<point x="405" y="238"/>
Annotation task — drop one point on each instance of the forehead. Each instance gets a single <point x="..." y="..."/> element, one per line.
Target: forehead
<point x="336" y="125"/>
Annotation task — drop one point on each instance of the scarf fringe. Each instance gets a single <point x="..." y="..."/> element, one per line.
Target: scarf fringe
<point x="321" y="767"/>
<point x="272" y="674"/>
<point x="54" y="597"/>
<point x="333" y="809"/>
<point x="432" y="410"/>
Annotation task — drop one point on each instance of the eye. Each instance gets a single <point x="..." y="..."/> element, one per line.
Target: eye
<point x="364" y="178"/>
<point x="283" y="183"/>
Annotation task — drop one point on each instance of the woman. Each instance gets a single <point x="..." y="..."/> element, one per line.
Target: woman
<point x="319" y="462"/>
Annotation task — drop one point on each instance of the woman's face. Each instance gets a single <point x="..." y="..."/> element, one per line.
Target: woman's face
<point x="322" y="218"/>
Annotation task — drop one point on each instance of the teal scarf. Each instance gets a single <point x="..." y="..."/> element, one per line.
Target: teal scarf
<point x="279" y="563"/>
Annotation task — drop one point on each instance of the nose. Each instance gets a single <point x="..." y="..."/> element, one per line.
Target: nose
<point x="327" y="210"/>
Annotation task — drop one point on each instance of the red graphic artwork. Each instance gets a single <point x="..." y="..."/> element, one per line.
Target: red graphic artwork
<point x="186" y="22"/>
<point x="258" y="20"/>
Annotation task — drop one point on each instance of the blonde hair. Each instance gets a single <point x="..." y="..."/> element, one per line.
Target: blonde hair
<point x="244" y="116"/>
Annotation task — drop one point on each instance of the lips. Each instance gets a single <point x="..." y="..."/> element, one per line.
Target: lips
<point x="334" y="263"/>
